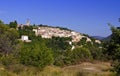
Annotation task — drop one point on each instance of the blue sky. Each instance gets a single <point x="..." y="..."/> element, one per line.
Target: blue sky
<point x="85" y="16"/>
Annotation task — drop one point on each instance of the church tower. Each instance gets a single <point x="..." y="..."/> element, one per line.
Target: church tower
<point x="28" y="22"/>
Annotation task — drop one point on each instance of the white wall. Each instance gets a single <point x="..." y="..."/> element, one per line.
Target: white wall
<point x="24" y="38"/>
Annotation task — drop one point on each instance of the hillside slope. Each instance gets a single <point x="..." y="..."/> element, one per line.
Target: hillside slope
<point x="49" y="32"/>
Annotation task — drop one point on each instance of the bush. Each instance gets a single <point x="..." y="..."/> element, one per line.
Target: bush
<point x="59" y="60"/>
<point x="8" y="60"/>
<point x="79" y="54"/>
<point x="71" y="57"/>
<point x="116" y="66"/>
<point x="36" y="55"/>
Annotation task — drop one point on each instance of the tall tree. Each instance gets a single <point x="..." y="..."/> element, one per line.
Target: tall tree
<point x="8" y="39"/>
<point x="113" y="48"/>
<point x="1" y="22"/>
<point x="13" y="24"/>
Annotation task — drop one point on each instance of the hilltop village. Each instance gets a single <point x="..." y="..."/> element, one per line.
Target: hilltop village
<point x="49" y="32"/>
<point x="41" y="45"/>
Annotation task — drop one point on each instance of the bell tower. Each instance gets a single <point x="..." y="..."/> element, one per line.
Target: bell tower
<point x="28" y="22"/>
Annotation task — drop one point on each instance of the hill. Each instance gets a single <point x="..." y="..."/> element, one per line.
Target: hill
<point x="50" y="31"/>
<point x="107" y="38"/>
<point x="48" y="46"/>
<point x="98" y="37"/>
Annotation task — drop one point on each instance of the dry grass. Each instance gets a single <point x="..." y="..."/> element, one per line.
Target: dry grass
<point x="83" y="69"/>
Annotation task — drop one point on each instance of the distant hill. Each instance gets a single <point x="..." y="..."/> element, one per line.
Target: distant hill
<point x="107" y="38"/>
<point x="98" y="37"/>
<point x="102" y="38"/>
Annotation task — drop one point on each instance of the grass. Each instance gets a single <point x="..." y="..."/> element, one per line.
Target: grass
<point x="83" y="69"/>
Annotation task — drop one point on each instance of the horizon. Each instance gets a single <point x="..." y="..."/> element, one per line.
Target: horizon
<point x="84" y="16"/>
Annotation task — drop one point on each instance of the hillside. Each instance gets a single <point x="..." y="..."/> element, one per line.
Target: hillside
<point x="108" y="38"/>
<point x="98" y="37"/>
<point x="46" y="46"/>
<point x="49" y="32"/>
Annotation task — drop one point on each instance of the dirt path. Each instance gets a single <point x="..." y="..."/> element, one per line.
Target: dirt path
<point x="90" y="67"/>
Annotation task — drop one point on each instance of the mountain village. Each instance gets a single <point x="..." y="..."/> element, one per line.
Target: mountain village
<point x="49" y="32"/>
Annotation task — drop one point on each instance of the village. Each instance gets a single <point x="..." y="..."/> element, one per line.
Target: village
<point x="49" y="32"/>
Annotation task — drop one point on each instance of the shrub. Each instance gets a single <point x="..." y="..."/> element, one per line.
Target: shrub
<point x="79" y="54"/>
<point x="8" y="60"/>
<point x="36" y="55"/>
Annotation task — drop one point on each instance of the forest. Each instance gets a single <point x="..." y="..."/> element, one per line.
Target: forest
<point x="41" y="53"/>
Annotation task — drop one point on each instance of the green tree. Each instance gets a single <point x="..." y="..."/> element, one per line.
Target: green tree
<point x="8" y="39"/>
<point x="13" y="24"/>
<point x="1" y="22"/>
<point x="27" y="30"/>
<point x="36" y="54"/>
<point x="81" y="54"/>
<point x="59" y="43"/>
<point x="113" y="49"/>
<point x="9" y="45"/>
<point x="114" y="44"/>
<point x="82" y="42"/>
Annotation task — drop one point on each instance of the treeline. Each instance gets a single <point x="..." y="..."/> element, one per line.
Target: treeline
<point x="56" y="51"/>
<point x="112" y="48"/>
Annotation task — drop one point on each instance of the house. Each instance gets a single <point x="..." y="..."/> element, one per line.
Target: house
<point x="25" y="38"/>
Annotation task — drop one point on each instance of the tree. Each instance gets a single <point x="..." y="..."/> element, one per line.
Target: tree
<point x="36" y="54"/>
<point x="82" y="42"/>
<point x="1" y="22"/>
<point x="59" y="43"/>
<point x="113" y="49"/>
<point x="114" y="44"/>
<point x="81" y="54"/>
<point x="8" y="39"/>
<point x="13" y="24"/>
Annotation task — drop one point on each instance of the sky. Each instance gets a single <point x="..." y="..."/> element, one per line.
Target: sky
<point x="85" y="16"/>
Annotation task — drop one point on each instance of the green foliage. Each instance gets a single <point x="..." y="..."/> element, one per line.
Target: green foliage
<point x="116" y="66"/>
<point x="62" y="28"/>
<point x="115" y="35"/>
<point x="36" y="54"/>
<point x="82" y="42"/>
<point x="113" y="49"/>
<point x="9" y="45"/>
<point x="59" y="60"/>
<point x="7" y="60"/>
<point x="13" y="24"/>
<point x="81" y="54"/>
<point x="59" y="43"/>
<point x="1" y="22"/>
<point x="93" y="47"/>
<point x="42" y="52"/>
<point x="27" y="30"/>
<point x="8" y="39"/>
<point x="71" y="57"/>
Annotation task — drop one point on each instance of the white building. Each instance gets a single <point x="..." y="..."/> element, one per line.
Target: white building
<point x="36" y="32"/>
<point x="25" y="38"/>
<point x="98" y="41"/>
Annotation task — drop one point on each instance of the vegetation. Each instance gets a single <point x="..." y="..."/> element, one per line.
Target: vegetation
<point x="97" y="69"/>
<point x="41" y="25"/>
<point x="8" y="39"/>
<point x="13" y="24"/>
<point x="113" y="49"/>
<point x="35" y="56"/>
